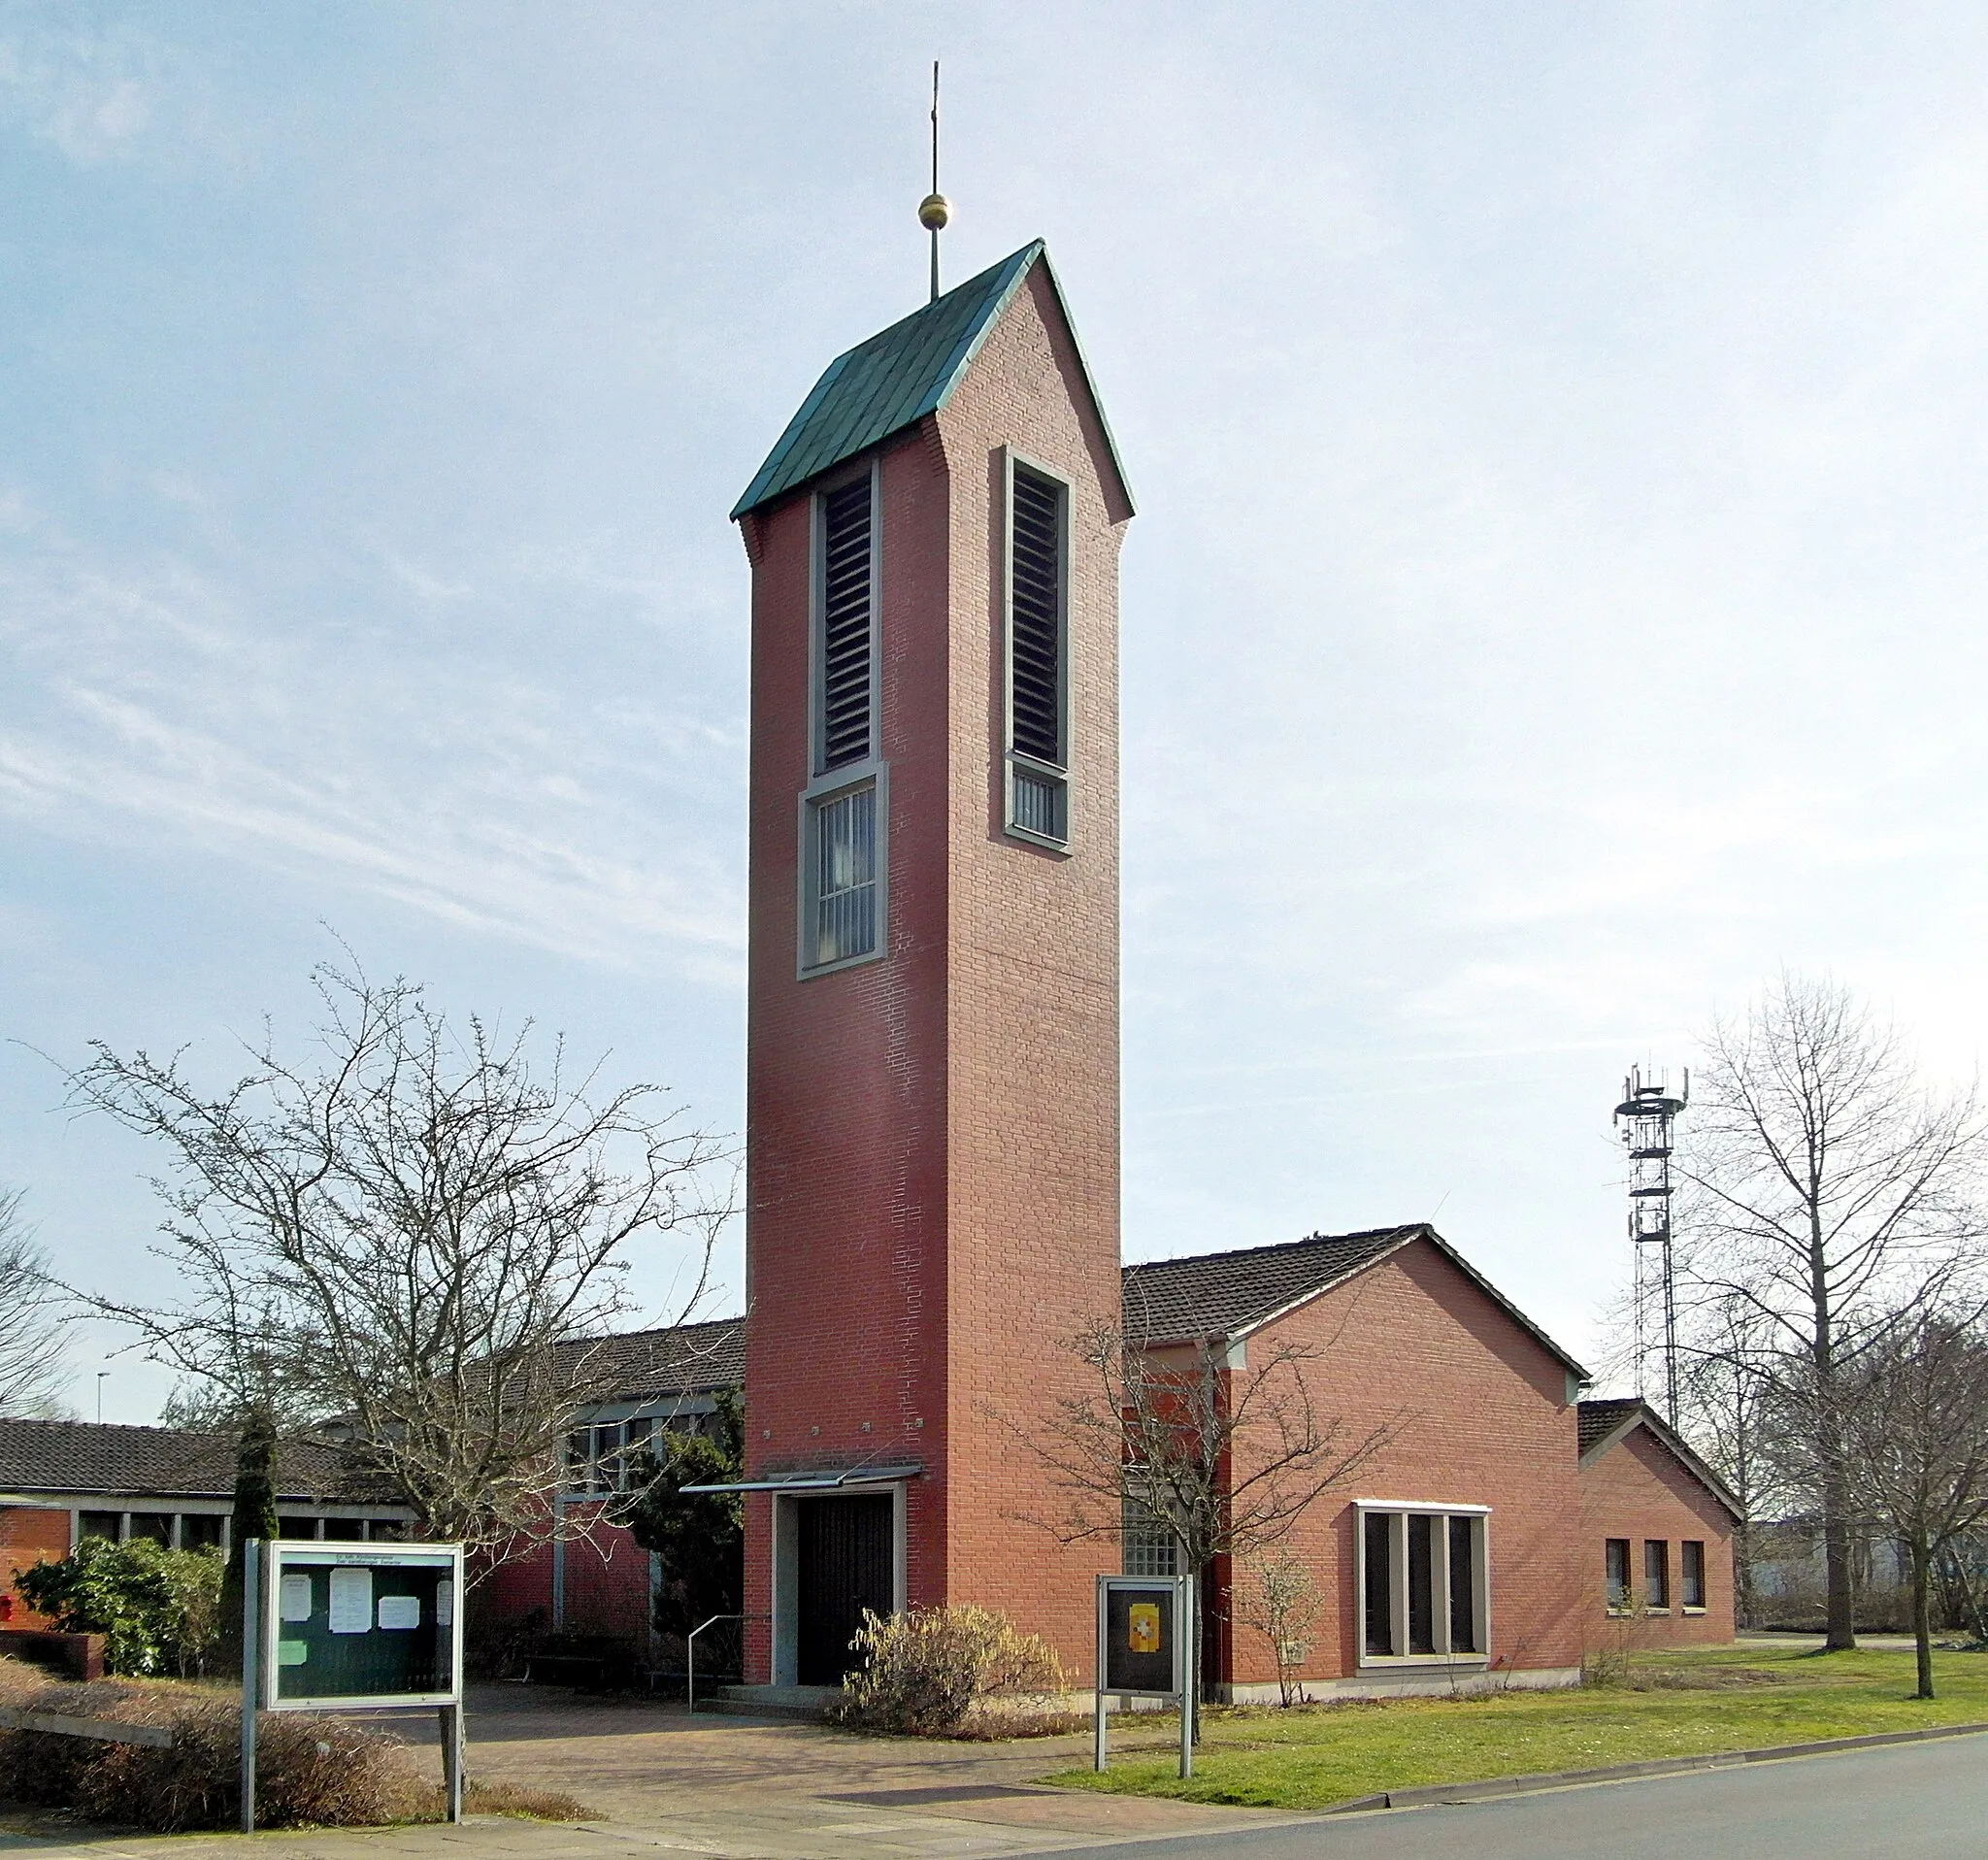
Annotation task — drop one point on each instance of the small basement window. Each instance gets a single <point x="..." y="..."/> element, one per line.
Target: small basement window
<point x="1691" y="1575"/>
<point x="1424" y="1579"/>
<point x="1038" y="656"/>
<point x="1656" y="1574"/>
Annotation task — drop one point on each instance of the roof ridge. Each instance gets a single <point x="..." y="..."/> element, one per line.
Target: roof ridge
<point x="116" y="1427"/>
<point x="655" y="1330"/>
<point x="1275" y="1246"/>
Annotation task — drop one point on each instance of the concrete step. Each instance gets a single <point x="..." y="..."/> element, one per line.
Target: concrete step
<point x="804" y="1703"/>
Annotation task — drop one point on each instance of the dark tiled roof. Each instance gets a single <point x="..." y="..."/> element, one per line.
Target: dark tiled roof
<point x="1226" y="1294"/>
<point x="90" y="1458"/>
<point x="1600" y="1418"/>
<point x="1218" y="1294"/>
<point x="642" y="1365"/>
<point x="895" y="380"/>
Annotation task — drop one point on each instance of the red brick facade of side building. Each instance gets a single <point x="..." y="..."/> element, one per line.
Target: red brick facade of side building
<point x="932" y="1136"/>
<point x="1467" y="1551"/>
<point x="593" y="1585"/>
<point x="1478" y="1410"/>
<point x="1657" y="1535"/>
<point x="28" y="1535"/>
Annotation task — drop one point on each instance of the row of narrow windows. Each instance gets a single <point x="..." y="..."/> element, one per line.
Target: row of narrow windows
<point x="1423" y="1577"/>
<point x="1655" y="1592"/>
<point x="845" y="827"/>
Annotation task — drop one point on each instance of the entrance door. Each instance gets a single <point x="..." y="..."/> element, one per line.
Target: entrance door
<point x="845" y="1567"/>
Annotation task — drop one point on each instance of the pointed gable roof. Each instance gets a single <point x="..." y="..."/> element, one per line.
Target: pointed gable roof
<point x="1604" y="1424"/>
<point x="900" y="376"/>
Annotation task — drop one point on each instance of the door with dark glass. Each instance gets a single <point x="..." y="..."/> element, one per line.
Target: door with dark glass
<point x="844" y="1568"/>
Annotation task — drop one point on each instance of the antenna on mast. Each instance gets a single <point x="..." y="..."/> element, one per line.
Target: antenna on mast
<point x="935" y="210"/>
<point x="1646" y="1117"/>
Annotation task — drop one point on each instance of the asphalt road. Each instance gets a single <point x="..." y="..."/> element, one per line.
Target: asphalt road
<point x="1908" y="1802"/>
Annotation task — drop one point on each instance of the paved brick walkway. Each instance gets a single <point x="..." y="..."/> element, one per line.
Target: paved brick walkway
<point x="665" y="1783"/>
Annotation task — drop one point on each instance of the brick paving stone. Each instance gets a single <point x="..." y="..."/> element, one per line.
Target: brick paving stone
<point x="665" y="1784"/>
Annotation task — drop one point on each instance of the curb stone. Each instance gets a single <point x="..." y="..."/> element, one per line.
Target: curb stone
<point x="1432" y="1794"/>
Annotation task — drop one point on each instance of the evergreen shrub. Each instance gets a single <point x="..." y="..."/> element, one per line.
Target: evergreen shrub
<point x="157" y="1610"/>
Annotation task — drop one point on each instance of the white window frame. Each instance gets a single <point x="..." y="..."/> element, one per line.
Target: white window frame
<point x="816" y="795"/>
<point x="1399" y="1512"/>
<point x="1063" y="775"/>
<point x="817" y="623"/>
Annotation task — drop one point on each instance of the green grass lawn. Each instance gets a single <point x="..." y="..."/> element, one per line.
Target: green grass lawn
<point x="1674" y="1705"/>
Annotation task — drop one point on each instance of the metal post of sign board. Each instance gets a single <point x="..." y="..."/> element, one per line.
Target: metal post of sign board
<point x="452" y="1758"/>
<point x="251" y="1667"/>
<point x="1189" y="1675"/>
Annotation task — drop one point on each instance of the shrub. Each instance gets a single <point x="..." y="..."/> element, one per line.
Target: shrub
<point x="929" y="1671"/>
<point x="309" y="1771"/>
<point x="157" y="1610"/>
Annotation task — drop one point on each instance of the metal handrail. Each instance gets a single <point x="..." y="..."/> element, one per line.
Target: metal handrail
<point x="690" y="1655"/>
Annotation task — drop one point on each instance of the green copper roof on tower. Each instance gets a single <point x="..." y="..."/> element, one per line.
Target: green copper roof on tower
<point x="894" y="379"/>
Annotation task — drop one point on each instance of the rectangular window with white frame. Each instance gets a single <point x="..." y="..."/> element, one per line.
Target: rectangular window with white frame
<point x="1423" y="1573"/>
<point x="1038" y="774"/>
<point x="843" y="828"/>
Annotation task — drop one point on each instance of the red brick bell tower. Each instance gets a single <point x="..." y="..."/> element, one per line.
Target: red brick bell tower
<point x="932" y="1091"/>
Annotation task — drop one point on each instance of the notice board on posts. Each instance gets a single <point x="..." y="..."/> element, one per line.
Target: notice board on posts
<point x="1143" y="1626"/>
<point x="351" y="1625"/>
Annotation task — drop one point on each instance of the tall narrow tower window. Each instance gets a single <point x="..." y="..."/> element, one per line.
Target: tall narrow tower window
<point x="845" y="876"/>
<point x="1038" y="656"/>
<point x="844" y="726"/>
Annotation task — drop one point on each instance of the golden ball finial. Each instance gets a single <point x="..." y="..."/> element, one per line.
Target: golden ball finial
<point x="934" y="210"/>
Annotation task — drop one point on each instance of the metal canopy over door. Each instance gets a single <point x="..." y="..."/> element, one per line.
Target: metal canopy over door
<point x="845" y="1567"/>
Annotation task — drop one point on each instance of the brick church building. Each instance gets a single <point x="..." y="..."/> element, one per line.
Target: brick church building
<point x="933" y="1112"/>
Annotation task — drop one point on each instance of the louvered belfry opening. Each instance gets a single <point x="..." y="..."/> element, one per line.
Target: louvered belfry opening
<point x="1037" y="597"/>
<point x="847" y="526"/>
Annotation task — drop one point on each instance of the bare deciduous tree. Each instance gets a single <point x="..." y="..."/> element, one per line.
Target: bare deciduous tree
<point x="410" y="1237"/>
<point x="31" y="1374"/>
<point x="1729" y="1409"/>
<point x="1916" y="1430"/>
<point x="1280" y="1600"/>
<point x="1825" y="1176"/>
<point x="1170" y="1437"/>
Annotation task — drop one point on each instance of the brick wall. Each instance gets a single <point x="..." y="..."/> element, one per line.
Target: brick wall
<point x="1639" y="1491"/>
<point x="933" y="1139"/>
<point x="1481" y="1417"/>
<point x="28" y="1535"/>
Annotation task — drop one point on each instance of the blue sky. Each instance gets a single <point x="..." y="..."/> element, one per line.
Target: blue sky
<point x="1556" y="600"/>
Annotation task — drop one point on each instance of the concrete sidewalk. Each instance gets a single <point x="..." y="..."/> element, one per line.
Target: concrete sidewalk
<point x="666" y="1782"/>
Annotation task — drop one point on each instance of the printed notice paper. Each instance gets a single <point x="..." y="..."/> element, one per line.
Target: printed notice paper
<point x="352" y="1601"/>
<point x="444" y="1602"/>
<point x="400" y="1611"/>
<point x="296" y="1597"/>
